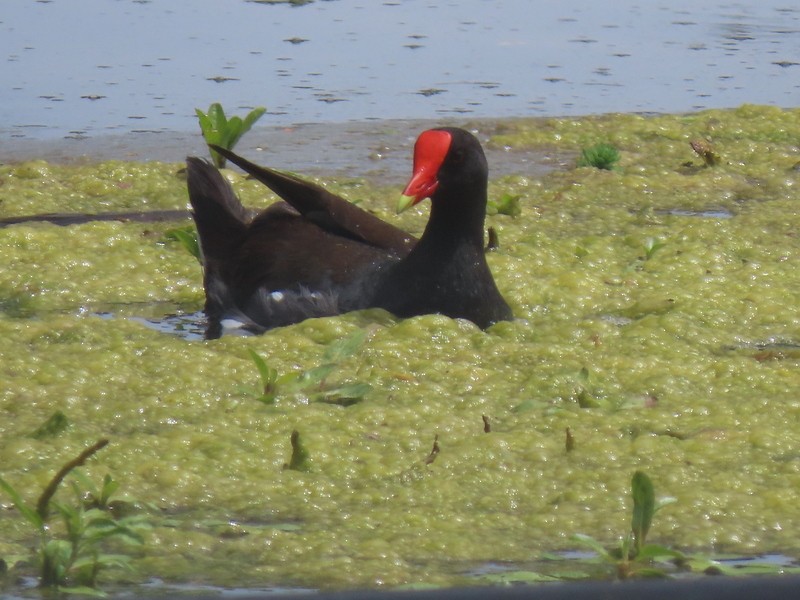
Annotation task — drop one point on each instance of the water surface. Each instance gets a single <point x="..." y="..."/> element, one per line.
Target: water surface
<point x="77" y="69"/>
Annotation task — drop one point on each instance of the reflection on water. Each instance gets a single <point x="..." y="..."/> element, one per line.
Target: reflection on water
<point x="113" y="66"/>
<point x="165" y="317"/>
<point x="190" y="327"/>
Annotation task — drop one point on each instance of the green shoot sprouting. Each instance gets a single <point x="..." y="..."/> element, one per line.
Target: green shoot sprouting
<point x="634" y="557"/>
<point x="651" y="246"/>
<point x="218" y="129"/>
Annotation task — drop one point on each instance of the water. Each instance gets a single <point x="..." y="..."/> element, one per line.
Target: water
<point x="96" y="67"/>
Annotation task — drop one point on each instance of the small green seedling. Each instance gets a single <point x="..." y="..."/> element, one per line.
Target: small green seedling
<point x="219" y="130"/>
<point x="634" y="557"/>
<point x="600" y="156"/>
<point x="311" y="382"/>
<point x="583" y="394"/>
<point x="269" y="378"/>
<point x="651" y="246"/>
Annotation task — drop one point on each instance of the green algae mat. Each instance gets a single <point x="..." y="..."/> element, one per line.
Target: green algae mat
<point x="657" y="322"/>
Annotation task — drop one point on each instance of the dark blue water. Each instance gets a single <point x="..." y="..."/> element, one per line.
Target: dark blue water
<point x="93" y="67"/>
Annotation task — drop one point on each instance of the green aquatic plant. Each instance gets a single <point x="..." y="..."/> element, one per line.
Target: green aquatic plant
<point x="600" y="156"/>
<point x="651" y="246"/>
<point x="72" y="561"/>
<point x="219" y="130"/>
<point x="267" y="389"/>
<point x="311" y="382"/>
<point x="187" y="238"/>
<point x="634" y="557"/>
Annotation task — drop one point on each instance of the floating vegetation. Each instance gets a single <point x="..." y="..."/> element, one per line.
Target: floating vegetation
<point x="507" y="204"/>
<point x="653" y="357"/>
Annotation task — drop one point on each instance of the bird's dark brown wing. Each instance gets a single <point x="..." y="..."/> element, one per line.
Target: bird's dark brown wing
<point x="327" y="210"/>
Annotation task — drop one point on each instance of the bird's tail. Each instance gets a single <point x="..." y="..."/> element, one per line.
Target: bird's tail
<point x="222" y="223"/>
<point x="220" y="218"/>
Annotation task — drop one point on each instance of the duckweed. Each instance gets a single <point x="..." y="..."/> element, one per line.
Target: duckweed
<point x="689" y="355"/>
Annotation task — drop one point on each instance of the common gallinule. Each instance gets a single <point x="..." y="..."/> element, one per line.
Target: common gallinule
<point x="317" y="254"/>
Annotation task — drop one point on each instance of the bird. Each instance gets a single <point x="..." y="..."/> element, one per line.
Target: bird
<point x="314" y="254"/>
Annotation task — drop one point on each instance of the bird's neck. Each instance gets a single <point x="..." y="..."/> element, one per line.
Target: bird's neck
<point x="457" y="219"/>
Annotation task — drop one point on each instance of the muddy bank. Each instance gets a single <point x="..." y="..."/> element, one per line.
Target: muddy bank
<point x="379" y="150"/>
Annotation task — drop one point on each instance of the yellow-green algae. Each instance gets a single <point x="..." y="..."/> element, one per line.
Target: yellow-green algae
<point x="682" y="362"/>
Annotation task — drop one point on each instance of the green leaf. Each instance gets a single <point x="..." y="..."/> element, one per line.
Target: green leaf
<point x="206" y="127"/>
<point x="217" y="117"/>
<point x="288" y="380"/>
<point x="665" y="501"/>
<point x="56" y="557"/>
<point x="656" y="552"/>
<point x="593" y="544"/>
<point x="651" y="246"/>
<point x="347" y="394"/>
<point x="186" y="237"/>
<point x="72" y="517"/>
<point x="315" y="375"/>
<point x="231" y="133"/>
<point x="55" y="424"/>
<point x="27" y="511"/>
<point x="224" y="132"/>
<point x="86" y="482"/>
<point x="644" y="502"/>
<point x="418" y="586"/>
<point x="345" y="347"/>
<point x="103" y="560"/>
<point x="509" y="577"/>
<point x="109" y="488"/>
<point x="253" y="116"/>
<point x="586" y="400"/>
<point x="268" y="374"/>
